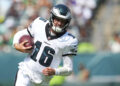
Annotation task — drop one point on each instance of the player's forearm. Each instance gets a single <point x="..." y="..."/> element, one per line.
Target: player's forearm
<point x="17" y="47"/>
<point x="64" y="71"/>
<point x="67" y="67"/>
<point x="22" y="49"/>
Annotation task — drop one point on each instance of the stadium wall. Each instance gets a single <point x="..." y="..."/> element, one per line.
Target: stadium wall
<point x="99" y="64"/>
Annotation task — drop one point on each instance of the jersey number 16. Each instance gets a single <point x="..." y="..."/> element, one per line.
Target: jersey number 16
<point x="46" y="56"/>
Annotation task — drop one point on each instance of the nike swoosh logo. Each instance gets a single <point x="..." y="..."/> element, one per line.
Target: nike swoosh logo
<point x="47" y="43"/>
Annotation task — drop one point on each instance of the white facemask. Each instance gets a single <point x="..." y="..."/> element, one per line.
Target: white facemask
<point x="57" y="29"/>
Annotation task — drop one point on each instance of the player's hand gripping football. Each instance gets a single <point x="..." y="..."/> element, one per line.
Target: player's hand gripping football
<point x="22" y="48"/>
<point x="48" y="71"/>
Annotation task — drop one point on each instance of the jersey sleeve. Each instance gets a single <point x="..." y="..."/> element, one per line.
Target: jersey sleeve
<point x="35" y="25"/>
<point x="71" y="48"/>
<point x="31" y="29"/>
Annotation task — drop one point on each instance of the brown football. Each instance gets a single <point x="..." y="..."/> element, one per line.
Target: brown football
<point x="28" y="38"/>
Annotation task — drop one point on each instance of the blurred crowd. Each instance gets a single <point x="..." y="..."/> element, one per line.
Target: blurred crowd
<point x="18" y="14"/>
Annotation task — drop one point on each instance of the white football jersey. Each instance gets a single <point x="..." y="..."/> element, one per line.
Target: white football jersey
<point x="46" y="53"/>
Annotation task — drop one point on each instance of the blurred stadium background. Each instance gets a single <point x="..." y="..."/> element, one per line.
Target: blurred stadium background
<point x="96" y="23"/>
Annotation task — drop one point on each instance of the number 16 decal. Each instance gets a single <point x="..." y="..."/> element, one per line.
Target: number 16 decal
<point x="46" y="56"/>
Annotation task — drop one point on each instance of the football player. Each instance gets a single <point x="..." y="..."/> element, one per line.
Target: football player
<point x="52" y="44"/>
